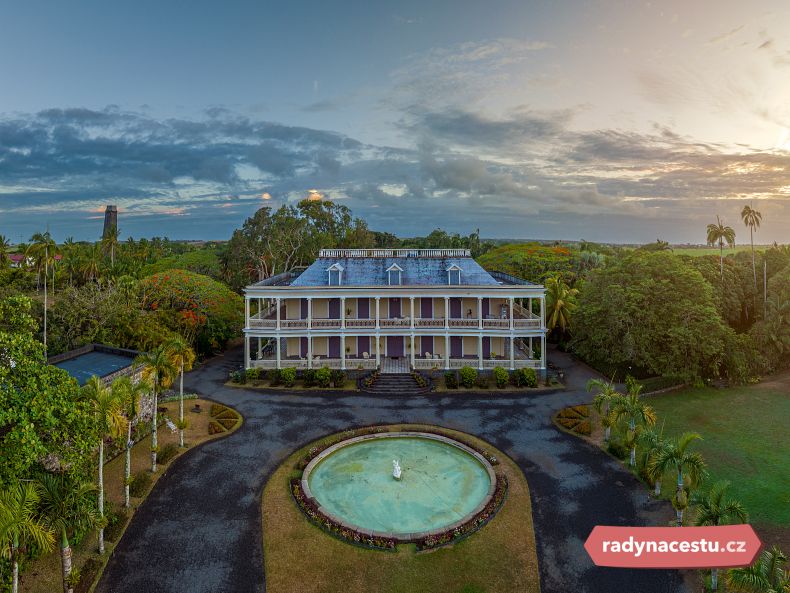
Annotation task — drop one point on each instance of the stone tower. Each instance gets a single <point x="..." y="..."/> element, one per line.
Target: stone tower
<point x="110" y="219"/>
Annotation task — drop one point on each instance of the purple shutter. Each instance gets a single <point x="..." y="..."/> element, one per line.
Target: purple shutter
<point x="394" y="345"/>
<point x="486" y="347"/>
<point x="426" y="344"/>
<point x="303" y="345"/>
<point x="426" y="310"/>
<point x="334" y="308"/>
<point x="363" y="309"/>
<point x="456" y="347"/>
<point x="455" y="308"/>
<point x="304" y="309"/>
<point x="363" y="345"/>
<point x="334" y="346"/>
<point x="486" y="308"/>
<point x="394" y="308"/>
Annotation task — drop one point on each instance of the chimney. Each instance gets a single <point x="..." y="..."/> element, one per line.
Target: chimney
<point x="110" y="219"/>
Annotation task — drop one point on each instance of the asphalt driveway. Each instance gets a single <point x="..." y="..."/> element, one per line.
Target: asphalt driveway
<point x="199" y="530"/>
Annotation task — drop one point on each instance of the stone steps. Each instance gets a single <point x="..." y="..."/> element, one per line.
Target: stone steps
<point x="396" y="384"/>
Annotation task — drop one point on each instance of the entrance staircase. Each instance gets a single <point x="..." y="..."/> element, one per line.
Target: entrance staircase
<point x="395" y="384"/>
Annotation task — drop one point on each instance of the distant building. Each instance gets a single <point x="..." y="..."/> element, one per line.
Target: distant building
<point x="110" y="219"/>
<point x="369" y="308"/>
<point x="106" y="362"/>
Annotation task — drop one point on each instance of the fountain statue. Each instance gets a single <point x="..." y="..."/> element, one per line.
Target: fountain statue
<point x="396" y="469"/>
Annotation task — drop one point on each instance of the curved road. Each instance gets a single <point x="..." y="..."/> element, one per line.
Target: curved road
<point x="199" y="530"/>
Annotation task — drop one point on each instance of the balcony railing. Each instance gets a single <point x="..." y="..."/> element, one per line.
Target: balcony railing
<point x="386" y="323"/>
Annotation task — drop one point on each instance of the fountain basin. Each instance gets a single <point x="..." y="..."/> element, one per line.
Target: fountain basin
<point x="443" y="484"/>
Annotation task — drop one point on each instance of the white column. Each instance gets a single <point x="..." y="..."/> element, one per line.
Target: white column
<point x="411" y="304"/>
<point x="343" y="351"/>
<point x="512" y="351"/>
<point x="413" y="344"/>
<point x="531" y="351"/>
<point x="446" y="313"/>
<point x="377" y="313"/>
<point x="246" y="312"/>
<point x="512" y="304"/>
<point x="446" y="351"/>
<point x="343" y="312"/>
<point x="378" y="349"/>
<point x="277" y="339"/>
<point x="543" y="351"/>
<point x="542" y="313"/>
<point x="529" y="306"/>
<point x="246" y="351"/>
<point x="309" y="350"/>
<point x="260" y="348"/>
<point x="480" y="312"/>
<point x="277" y="304"/>
<point x="309" y="312"/>
<point x="480" y="351"/>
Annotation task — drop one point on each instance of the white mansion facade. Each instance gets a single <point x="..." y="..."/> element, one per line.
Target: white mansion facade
<point x="366" y="308"/>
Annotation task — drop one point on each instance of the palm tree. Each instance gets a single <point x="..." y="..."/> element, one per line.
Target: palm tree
<point x="111" y="423"/>
<point x="131" y="394"/>
<point x="752" y="218"/>
<point x="158" y="369"/>
<point x="92" y="262"/>
<point x="631" y="407"/>
<point x="110" y="242"/>
<point x="651" y="441"/>
<point x="602" y="403"/>
<point x="5" y="250"/>
<point x="714" y="509"/>
<point x="182" y="357"/>
<point x="67" y="507"/>
<point x="675" y="455"/>
<point x="560" y="303"/>
<point x="767" y="575"/>
<point x="19" y="526"/>
<point x="720" y="234"/>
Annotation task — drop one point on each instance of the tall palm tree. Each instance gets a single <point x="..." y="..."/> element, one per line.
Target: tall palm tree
<point x="20" y="527"/>
<point x="651" y="441"/>
<point x="158" y="369"/>
<point x="714" y="509"/>
<point x="602" y="403"/>
<point x="92" y="262"/>
<point x="687" y="464"/>
<point x="720" y="234"/>
<point x="68" y="506"/>
<point x="110" y="241"/>
<point x="111" y="423"/>
<point x="637" y="412"/>
<point x="560" y="304"/>
<point x="752" y="218"/>
<point x="183" y="357"/>
<point x="767" y="575"/>
<point x="5" y="251"/>
<point x="131" y="393"/>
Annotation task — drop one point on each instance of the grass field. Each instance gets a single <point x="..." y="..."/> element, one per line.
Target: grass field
<point x="300" y="557"/>
<point x="745" y="441"/>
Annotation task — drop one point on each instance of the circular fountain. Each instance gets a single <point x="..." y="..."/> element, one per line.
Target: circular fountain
<point x="403" y="485"/>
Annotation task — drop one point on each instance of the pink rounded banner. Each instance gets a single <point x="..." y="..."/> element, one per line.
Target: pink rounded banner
<point x="725" y="546"/>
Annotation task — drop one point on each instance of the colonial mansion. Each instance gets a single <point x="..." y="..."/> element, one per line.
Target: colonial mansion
<point x="395" y="309"/>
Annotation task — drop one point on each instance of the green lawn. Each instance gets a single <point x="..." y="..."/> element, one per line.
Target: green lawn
<point x="745" y="442"/>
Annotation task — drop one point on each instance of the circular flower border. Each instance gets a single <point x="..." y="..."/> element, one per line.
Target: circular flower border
<point x="376" y="541"/>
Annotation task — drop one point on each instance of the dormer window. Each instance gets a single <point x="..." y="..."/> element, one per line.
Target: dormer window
<point x="453" y="275"/>
<point x="335" y="272"/>
<point x="394" y="275"/>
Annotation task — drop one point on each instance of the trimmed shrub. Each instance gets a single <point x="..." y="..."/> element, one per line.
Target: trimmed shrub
<point x="217" y="409"/>
<point x="167" y="453"/>
<point x="288" y="376"/>
<point x="323" y="377"/>
<point x="215" y="427"/>
<point x="584" y="427"/>
<point x="482" y="382"/>
<point x="338" y="377"/>
<point x="239" y="377"/>
<point x="569" y="423"/>
<point x="419" y="379"/>
<point x="274" y="376"/>
<point x="255" y="374"/>
<point x="525" y="378"/>
<point x="308" y="377"/>
<point x="451" y="380"/>
<point x="468" y="376"/>
<point x="501" y="377"/>
<point x="140" y="484"/>
<point x="226" y="413"/>
<point x="228" y="423"/>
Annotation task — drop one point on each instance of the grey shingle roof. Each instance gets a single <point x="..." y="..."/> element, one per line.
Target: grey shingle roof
<point x="417" y="271"/>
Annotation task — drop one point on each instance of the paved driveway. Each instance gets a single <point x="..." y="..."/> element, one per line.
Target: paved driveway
<point x="199" y="530"/>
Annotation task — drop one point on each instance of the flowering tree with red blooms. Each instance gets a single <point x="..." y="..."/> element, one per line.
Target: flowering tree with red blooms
<point x="205" y="312"/>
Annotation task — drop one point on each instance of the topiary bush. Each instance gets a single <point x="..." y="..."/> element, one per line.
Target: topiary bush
<point x="501" y="377"/>
<point x="239" y="377"/>
<point x="525" y="378"/>
<point x="288" y="376"/>
<point x="255" y="374"/>
<point x="468" y="376"/>
<point x="323" y="377"/>
<point x="308" y="377"/>
<point x="338" y="377"/>
<point x="482" y="382"/>
<point x="140" y="484"/>
<point x="274" y="376"/>
<point x="215" y="427"/>
<point x="451" y="380"/>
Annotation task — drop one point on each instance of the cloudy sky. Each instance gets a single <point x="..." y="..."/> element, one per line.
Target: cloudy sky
<point x="606" y="120"/>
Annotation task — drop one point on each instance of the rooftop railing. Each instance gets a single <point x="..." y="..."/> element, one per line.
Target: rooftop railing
<point x="394" y="253"/>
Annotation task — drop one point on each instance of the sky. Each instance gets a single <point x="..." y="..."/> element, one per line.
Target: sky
<point x="615" y="121"/>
